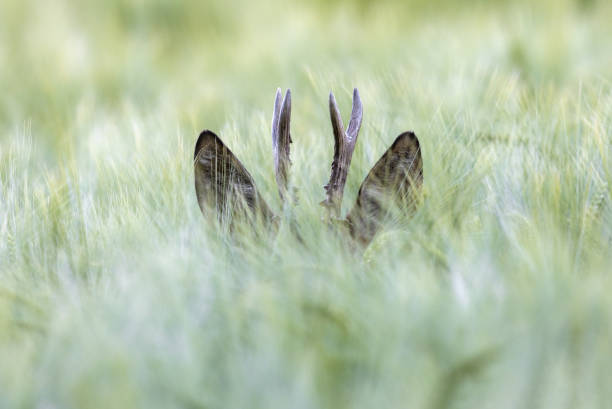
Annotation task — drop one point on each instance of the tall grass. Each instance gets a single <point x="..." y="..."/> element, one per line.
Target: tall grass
<point x="116" y="292"/>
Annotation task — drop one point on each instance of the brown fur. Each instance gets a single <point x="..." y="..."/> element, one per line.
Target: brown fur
<point x="225" y="187"/>
<point x="222" y="183"/>
<point x="397" y="175"/>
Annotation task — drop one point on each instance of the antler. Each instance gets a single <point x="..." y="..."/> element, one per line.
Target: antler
<point x="281" y="138"/>
<point x="344" y="145"/>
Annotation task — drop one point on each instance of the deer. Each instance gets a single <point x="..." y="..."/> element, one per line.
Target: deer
<point x="224" y="186"/>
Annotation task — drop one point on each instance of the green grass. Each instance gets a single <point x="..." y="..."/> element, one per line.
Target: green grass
<point x="115" y="292"/>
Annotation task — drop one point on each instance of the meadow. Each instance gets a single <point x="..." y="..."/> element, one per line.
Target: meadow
<point x="116" y="292"/>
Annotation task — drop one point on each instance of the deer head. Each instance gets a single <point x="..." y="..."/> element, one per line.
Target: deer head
<point x="225" y="188"/>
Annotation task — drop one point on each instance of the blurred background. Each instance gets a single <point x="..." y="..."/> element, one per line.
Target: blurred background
<point x="197" y="60"/>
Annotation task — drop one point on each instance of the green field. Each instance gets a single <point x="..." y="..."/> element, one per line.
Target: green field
<point x="116" y="293"/>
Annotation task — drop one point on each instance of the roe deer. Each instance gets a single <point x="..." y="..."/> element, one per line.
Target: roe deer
<point x="224" y="186"/>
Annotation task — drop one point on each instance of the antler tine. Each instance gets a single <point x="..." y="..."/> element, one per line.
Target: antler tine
<point x="281" y="138"/>
<point x="276" y="117"/>
<point x="356" y="116"/>
<point x="344" y="145"/>
<point x="337" y="124"/>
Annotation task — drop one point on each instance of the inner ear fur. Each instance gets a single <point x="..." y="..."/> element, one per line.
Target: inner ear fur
<point x="222" y="183"/>
<point x="393" y="181"/>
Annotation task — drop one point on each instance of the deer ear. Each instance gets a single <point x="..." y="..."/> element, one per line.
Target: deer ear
<point x="394" y="180"/>
<point x="222" y="183"/>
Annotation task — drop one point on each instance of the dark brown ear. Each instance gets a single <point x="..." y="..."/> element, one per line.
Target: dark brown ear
<point x="393" y="181"/>
<point x="222" y="183"/>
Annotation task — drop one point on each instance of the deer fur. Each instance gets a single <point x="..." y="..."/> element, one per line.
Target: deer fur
<point x="225" y="188"/>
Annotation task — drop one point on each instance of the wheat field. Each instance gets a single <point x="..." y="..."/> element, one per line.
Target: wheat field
<point x="116" y="292"/>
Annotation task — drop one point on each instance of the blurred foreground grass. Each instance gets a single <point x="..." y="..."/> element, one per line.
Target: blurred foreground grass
<point x="114" y="292"/>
